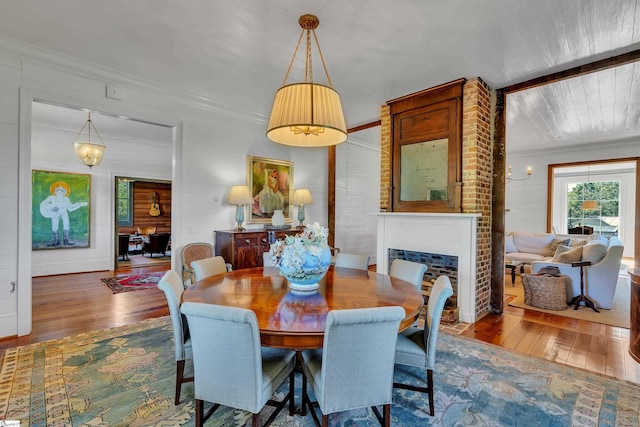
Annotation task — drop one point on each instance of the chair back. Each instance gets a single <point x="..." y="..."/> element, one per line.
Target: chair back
<point x="158" y="242"/>
<point x="440" y="291"/>
<point x="193" y="252"/>
<point x="123" y="245"/>
<point x="409" y="271"/>
<point x="146" y="231"/>
<point x="208" y="267"/>
<point x="227" y="361"/>
<point x="172" y="287"/>
<point x="343" y="259"/>
<point x="358" y="357"/>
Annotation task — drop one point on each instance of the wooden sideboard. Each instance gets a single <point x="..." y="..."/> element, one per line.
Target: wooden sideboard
<point x="243" y="249"/>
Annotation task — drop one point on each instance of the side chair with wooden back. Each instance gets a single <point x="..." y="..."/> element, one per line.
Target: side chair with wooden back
<point x="172" y="287"/>
<point x="193" y="252"/>
<point x="417" y="346"/>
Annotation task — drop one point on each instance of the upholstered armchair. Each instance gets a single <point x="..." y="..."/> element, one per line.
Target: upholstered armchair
<point x="193" y="252"/>
<point x="157" y="244"/>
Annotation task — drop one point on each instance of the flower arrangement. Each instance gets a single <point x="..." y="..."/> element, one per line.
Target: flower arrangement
<point x="305" y="257"/>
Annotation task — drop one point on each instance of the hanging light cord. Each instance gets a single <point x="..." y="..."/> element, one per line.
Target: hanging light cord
<point x="308" y="69"/>
<point x="90" y="123"/>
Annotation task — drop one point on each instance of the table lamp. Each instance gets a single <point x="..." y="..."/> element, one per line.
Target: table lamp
<point x="302" y="197"/>
<point x="240" y="195"/>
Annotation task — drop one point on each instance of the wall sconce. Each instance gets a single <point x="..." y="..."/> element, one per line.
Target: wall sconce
<point x="240" y="195"/>
<point x="302" y="197"/>
<point x="510" y="178"/>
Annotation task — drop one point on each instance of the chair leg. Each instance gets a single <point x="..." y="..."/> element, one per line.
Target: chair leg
<point x="179" y="376"/>
<point x="255" y="420"/>
<point x="199" y="411"/>
<point x="387" y="415"/>
<point x="430" y="391"/>
<point x="325" y="420"/>
<point x="292" y="407"/>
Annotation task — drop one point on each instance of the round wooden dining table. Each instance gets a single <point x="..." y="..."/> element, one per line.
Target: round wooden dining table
<point x="296" y="320"/>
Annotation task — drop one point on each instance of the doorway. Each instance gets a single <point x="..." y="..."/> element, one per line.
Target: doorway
<point x="143" y="214"/>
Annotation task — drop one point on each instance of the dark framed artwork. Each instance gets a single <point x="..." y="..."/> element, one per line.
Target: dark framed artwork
<point x="271" y="185"/>
<point x="60" y="210"/>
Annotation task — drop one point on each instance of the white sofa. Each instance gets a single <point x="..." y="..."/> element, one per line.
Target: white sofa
<point x="600" y="278"/>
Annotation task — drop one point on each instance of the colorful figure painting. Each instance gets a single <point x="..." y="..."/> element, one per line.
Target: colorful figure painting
<point x="271" y="184"/>
<point x="60" y="210"/>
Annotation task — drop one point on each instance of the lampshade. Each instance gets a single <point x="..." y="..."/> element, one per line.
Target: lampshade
<point x="89" y="153"/>
<point x="302" y="197"/>
<point x="589" y="205"/>
<point x="307" y="114"/>
<point x="240" y="195"/>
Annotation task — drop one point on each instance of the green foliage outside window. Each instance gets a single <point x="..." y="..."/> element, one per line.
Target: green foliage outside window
<point x="604" y="220"/>
<point x="125" y="203"/>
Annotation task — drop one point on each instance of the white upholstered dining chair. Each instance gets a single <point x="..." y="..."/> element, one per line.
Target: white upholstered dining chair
<point x="360" y="262"/>
<point x="354" y="368"/>
<point x="208" y="267"/>
<point x="172" y="287"/>
<point x="409" y="271"/>
<point x="230" y="366"/>
<point x="417" y="346"/>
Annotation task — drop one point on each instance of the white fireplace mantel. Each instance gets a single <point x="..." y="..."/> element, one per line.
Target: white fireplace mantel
<point x="437" y="233"/>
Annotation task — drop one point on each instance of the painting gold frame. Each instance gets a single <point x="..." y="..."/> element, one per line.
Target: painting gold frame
<point x="271" y="185"/>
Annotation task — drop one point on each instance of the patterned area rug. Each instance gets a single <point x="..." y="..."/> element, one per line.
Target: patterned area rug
<point x="125" y="376"/>
<point x="134" y="282"/>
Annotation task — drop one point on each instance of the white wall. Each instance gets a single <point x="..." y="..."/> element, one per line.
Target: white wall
<point x="209" y="155"/>
<point x="527" y="200"/>
<point x="357" y="199"/>
<point x="52" y="149"/>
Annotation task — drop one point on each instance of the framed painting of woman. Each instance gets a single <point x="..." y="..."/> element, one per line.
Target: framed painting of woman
<point x="271" y="185"/>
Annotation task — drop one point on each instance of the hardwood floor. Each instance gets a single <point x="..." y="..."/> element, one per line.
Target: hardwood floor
<point x="71" y="304"/>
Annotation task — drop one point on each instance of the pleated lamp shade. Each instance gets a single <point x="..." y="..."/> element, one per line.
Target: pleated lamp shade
<point x="589" y="205"/>
<point x="307" y="115"/>
<point x="240" y="195"/>
<point x="302" y="197"/>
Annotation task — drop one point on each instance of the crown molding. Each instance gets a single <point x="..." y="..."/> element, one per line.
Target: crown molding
<point x="29" y="53"/>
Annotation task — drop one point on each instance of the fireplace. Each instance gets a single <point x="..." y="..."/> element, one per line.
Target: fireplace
<point x="445" y="234"/>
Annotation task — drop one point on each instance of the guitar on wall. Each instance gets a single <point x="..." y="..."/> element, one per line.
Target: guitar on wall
<point x="155" y="206"/>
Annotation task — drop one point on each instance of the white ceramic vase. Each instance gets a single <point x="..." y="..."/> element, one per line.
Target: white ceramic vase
<point x="278" y="218"/>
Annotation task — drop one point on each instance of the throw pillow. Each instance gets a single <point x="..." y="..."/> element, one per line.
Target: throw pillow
<point x="577" y="241"/>
<point x="567" y="255"/>
<point x="509" y="244"/>
<point x="553" y="246"/>
<point x="594" y="251"/>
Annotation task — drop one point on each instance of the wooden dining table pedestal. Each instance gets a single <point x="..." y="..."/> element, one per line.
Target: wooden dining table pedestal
<point x="634" y="336"/>
<point x="296" y="320"/>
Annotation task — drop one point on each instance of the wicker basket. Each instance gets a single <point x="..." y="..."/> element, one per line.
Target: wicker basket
<point x="546" y="291"/>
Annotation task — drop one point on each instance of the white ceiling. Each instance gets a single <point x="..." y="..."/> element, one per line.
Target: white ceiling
<point x="235" y="54"/>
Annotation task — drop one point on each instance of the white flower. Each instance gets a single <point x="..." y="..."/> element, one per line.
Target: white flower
<point x="289" y="254"/>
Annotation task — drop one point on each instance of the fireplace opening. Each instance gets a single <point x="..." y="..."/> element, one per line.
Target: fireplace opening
<point x="437" y="265"/>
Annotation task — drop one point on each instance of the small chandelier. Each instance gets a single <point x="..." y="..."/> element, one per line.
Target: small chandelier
<point x="89" y="153"/>
<point x="307" y="114"/>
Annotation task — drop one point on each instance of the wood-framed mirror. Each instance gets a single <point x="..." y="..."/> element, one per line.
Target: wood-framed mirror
<point x="427" y="146"/>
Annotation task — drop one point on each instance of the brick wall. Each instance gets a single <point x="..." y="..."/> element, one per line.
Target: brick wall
<point x="476" y="174"/>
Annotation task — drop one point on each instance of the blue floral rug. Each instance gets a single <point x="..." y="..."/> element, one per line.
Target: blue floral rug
<point x="125" y="377"/>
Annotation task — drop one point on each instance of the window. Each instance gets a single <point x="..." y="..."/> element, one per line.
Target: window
<point x="124" y="202"/>
<point x="605" y="218"/>
<point x="611" y="185"/>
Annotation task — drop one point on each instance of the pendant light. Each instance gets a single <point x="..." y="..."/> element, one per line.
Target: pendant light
<point x="307" y="114"/>
<point x="589" y="205"/>
<point x="89" y="153"/>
